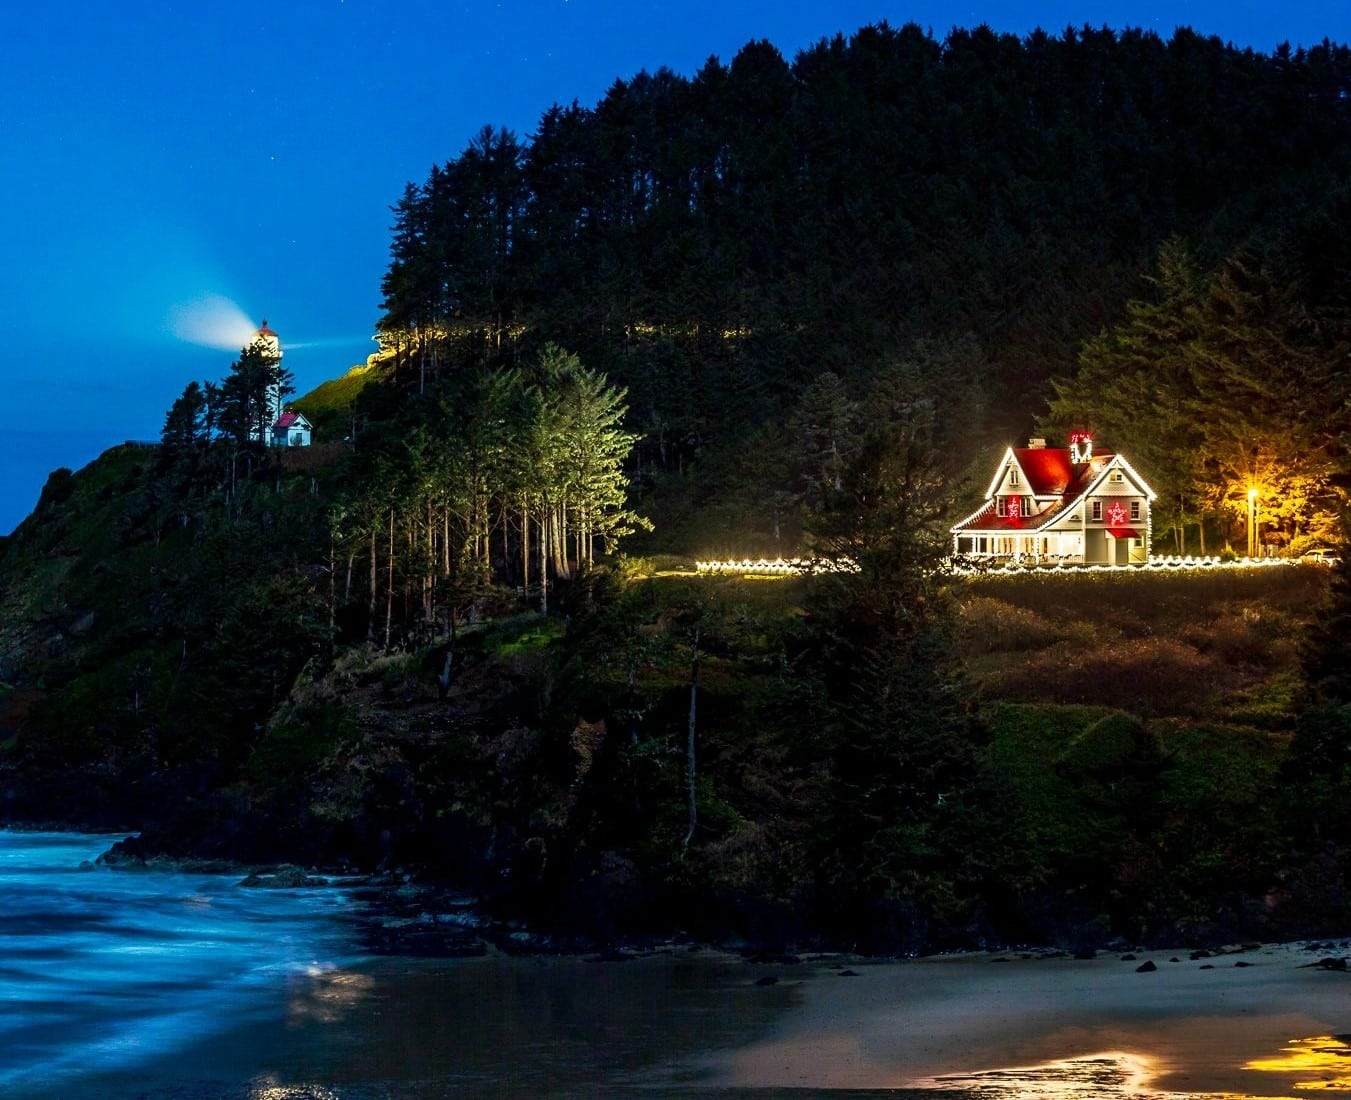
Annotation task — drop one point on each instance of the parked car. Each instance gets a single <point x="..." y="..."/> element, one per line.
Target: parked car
<point x="1321" y="556"/>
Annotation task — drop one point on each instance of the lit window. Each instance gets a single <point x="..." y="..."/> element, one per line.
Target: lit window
<point x="1116" y="475"/>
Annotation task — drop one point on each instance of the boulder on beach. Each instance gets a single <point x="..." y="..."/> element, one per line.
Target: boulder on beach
<point x="286" y="877"/>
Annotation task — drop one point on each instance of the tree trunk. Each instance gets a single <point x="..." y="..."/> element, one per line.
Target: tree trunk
<point x="332" y="587"/>
<point x="525" y="545"/>
<point x="389" y="584"/>
<point x="370" y="611"/>
<point x="422" y="361"/>
<point x="690" y="774"/>
<point x="543" y="560"/>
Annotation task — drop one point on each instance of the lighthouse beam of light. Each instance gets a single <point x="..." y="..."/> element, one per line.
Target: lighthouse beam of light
<point x="329" y="342"/>
<point x="212" y="321"/>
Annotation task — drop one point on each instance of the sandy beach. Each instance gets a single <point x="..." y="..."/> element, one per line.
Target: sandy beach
<point x="1257" y="1023"/>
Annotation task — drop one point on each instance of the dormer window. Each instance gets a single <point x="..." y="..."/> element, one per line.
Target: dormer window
<point x="1013" y="475"/>
<point x="1116" y="476"/>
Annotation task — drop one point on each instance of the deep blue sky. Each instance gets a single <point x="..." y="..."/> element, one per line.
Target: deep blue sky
<point x="159" y="152"/>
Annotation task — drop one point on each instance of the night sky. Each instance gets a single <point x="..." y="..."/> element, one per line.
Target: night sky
<point x="160" y="156"/>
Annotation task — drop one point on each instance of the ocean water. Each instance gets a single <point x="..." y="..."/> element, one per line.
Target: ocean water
<point x="159" y="985"/>
<point x="164" y="986"/>
<point x="103" y="972"/>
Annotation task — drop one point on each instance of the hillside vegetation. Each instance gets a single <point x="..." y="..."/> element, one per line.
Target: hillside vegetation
<point x="775" y="307"/>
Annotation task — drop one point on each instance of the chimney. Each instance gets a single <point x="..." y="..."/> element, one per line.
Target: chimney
<point x="1036" y="444"/>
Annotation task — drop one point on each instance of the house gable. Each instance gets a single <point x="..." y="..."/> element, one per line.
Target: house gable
<point x="1062" y="503"/>
<point x="291" y="429"/>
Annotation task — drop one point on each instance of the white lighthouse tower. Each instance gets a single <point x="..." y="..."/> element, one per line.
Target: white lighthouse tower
<point x="268" y="345"/>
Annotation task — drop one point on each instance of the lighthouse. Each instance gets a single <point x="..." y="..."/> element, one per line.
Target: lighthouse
<point x="267" y="344"/>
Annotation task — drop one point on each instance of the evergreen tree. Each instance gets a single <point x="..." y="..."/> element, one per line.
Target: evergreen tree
<point x="251" y="395"/>
<point x="905" y="781"/>
<point x="185" y="424"/>
<point x="1221" y="384"/>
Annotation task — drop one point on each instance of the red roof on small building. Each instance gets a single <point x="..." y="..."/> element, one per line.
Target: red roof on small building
<point x="289" y="417"/>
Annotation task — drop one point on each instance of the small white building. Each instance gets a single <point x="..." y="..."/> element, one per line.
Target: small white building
<point x="1061" y="504"/>
<point x="291" y="430"/>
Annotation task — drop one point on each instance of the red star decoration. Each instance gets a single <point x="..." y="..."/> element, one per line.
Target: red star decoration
<point x="1116" y="515"/>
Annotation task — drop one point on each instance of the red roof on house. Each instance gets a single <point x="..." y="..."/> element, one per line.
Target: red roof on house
<point x="289" y="417"/>
<point x="987" y="519"/>
<point x="1049" y="473"/>
<point x="1048" y="469"/>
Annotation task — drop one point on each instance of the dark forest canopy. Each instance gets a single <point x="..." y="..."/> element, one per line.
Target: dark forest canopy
<point x="718" y="244"/>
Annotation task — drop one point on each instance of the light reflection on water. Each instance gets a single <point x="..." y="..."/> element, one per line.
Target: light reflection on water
<point x="327" y="996"/>
<point x="1109" y="1073"/>
<point x="1322" y="1063"/>
<point x="185" y="987"/>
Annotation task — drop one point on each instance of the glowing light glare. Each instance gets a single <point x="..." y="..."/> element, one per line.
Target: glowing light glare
<point x="329" y="342"/>
<point x="779" y="567"/>
<point x="1081" y="447"/>
<point x="267" y="1087"/>
<point x="212" y="321"/>
<point x="1109" y="1073"/>
<point x="1325" y="1057"/>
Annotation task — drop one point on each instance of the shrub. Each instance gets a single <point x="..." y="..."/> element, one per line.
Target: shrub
<point x="988" y="625"/>
<point x="1116" y="743"/>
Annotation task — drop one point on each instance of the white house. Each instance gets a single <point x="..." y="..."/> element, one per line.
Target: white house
<point x="291" y="430"/>
<point x="1061" y="504"/>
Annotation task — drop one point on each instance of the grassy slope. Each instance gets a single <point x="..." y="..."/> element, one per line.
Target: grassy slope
<point x="1139" y="723"/>
<point x="1220" y="645"/>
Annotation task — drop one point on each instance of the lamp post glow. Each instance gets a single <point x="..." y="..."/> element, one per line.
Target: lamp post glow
<point x="1252" y="523"/>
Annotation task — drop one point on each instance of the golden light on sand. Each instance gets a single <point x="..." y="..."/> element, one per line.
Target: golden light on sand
<point x="327" y="995"/>
<point x="267" y="1087"/>
<point x="1324" y="1059"/>
<point x="1106" y="1073"/>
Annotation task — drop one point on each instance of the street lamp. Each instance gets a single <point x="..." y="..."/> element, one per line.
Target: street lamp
<point x="1252" y="523"/>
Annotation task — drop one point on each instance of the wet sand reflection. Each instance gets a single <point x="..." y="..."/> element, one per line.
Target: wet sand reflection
<point x="1322" y="1063"/>
<point x="1054" y="1027"/>
<point x="1109" y="1073"/>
